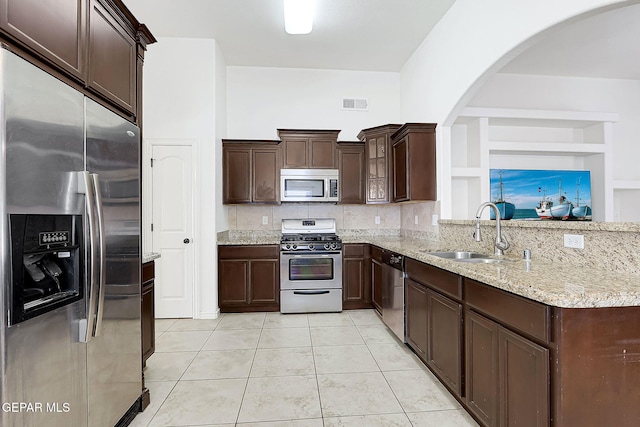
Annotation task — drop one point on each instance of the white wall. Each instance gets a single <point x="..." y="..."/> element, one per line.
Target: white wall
<point x="472" y="41"/>
<point x="577" y="94"/>
<point x="180" y="103"/>
<point x="262" y="100"/>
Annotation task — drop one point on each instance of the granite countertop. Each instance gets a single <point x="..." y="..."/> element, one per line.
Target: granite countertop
<point x="150" y="256"/>
<point x="556" y="284"/>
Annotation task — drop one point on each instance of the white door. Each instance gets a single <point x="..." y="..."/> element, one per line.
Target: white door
<point x="172" y="235"/>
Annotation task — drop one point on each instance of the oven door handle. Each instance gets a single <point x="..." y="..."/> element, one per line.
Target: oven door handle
<point x="311" y="292"/>
<point x="310" y="254"/>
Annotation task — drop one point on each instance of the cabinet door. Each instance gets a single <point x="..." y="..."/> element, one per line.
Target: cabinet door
<point x="148" y="321"/>
<point x="481" y="376"/>
<point x="377" y="176"/>
<point x="351" y="166"/>
<point x="296" y="153"/>
<point x="444" y="351"/>
<point x="376" y="284"/>
<point x="237" y="175"/>
<point x="322" y="153"/>
<point x="53" y="29"/>
<point x="233" y="283"/>
<point x="112" y="59"/>
<point x="416" y="306"/>
<point x="524" y="381"/>
<point x="266" y="171"/>
<point x="356" y="282"/>
<point x="400" y="171"/>
<point x="265" y="282"/>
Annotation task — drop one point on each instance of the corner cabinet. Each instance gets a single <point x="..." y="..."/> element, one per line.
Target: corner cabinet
<point x="351" y="167"/>
<point x="378" y="165"/>
<point x="251" y="171"/>
<point x="249" y="278"/>
<point x="356" y="292"/>
<point x="414" y="162"/>
<point x="304" y="148"/>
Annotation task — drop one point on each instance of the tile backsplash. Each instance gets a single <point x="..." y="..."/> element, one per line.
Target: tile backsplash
<point x="348" y="217"/>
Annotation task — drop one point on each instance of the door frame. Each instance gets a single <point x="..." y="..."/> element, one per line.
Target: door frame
<point x="147" y="205"/>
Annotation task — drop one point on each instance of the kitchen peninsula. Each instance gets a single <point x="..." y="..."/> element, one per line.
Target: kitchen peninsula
<point x="553" y="342"/>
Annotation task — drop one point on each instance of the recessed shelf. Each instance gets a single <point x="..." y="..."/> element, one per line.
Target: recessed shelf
<point x="626" y="184"/>
<point x="561" y="148"/>
<point x="544" y="118"/>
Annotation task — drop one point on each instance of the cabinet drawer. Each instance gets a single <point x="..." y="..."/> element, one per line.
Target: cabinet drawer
<point x="529" y="317"/>
<point x="248" y="252"/>
<point x="148" y="271"/>
<point x="443" y="281"/>
<point x="351" y="250"/>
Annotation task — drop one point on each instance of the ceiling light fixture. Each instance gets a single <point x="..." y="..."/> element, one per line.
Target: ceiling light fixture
<point x="298" y="16"/>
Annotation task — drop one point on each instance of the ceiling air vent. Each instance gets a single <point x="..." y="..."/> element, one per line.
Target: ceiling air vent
<point x="355" y="104"/>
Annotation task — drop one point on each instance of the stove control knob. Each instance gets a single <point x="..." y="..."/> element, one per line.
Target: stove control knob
<point x="311" y="247"/>
<point x="327" y="246"/>
<point x="287" y="246"/>
<point x="334" y="246"/>
<point x="294" y="247"/>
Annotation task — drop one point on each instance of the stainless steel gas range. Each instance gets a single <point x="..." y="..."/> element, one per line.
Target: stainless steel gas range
<point x="310" y="266"/>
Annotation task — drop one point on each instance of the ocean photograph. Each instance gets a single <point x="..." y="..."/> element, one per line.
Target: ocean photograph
<point x="541" y="194"/>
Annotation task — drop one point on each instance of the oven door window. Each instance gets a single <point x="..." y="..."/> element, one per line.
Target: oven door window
<point x="310" y="269"/>
<point x="304" y="188"/>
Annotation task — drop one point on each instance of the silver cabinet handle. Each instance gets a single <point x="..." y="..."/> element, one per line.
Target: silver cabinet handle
<point x="102" y="259"/>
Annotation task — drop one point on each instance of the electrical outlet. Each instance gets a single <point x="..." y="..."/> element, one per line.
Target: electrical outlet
<point x="415" y="220"/>
<point x="265" y="220"/>
<point x="377" y="219"/>
<point x="574" y="241"/>
<point x="434" y="219"/>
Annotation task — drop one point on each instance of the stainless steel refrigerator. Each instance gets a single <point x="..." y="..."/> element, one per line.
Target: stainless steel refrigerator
<point x="70" y="335"/>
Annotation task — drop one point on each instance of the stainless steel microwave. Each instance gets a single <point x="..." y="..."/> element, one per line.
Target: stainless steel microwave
<point x="309" y="185"/>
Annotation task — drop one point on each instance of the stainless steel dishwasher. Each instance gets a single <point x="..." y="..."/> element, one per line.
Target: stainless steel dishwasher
<point x="393" y="293"/>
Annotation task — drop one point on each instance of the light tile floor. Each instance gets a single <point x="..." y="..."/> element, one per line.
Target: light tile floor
<point x="294" y="370"/>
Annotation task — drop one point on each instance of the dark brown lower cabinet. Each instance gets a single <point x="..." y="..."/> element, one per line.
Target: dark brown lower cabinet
<point x="148" y="310"/>
<point x="376" y="278"/>
<point x="444" y="347"/>
<point x="416" y="303"/>
<point x="249" y="278"/>
<point x="356" y="289"/>
<point x="507" y="375"/>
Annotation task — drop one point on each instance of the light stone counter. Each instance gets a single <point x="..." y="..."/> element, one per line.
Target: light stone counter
<point x="150" y="256"/>
<point x="560" y="284"/>
<point x="552" y="283"/>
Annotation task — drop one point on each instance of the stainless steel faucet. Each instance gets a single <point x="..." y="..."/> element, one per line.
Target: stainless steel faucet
<point x="501" y="241"/>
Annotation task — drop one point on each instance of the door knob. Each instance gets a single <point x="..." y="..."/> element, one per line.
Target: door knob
<point x="186" y="240"/>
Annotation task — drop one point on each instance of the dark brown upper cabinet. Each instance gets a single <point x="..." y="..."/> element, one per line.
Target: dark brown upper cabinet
<point x="112" y="57"/>
<point x="378" y="165"/>
<point x="414" y="162"/>
<point x="251" y="171"/>
<point x="351" y="166"/>
<point x="303" y="149"/>
<point x="96" y="46"/>
<point x="53" y="30"/>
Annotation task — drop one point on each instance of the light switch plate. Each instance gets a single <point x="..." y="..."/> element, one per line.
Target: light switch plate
<point x="377" y="219"/>
<point x="434" y="219"/>
<point x="574" y="241"/>
<point x="415" y="220"/>
<point x="265" y="220"/>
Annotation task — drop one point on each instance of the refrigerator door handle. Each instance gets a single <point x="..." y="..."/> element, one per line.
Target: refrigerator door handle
<point x="87" y="188"/>
<point x="102" y="258"/>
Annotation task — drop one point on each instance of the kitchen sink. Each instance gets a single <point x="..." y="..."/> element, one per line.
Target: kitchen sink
<point x="464" y="256"/>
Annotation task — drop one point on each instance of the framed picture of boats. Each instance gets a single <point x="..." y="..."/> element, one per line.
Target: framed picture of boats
<point x="541" y="194"/>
